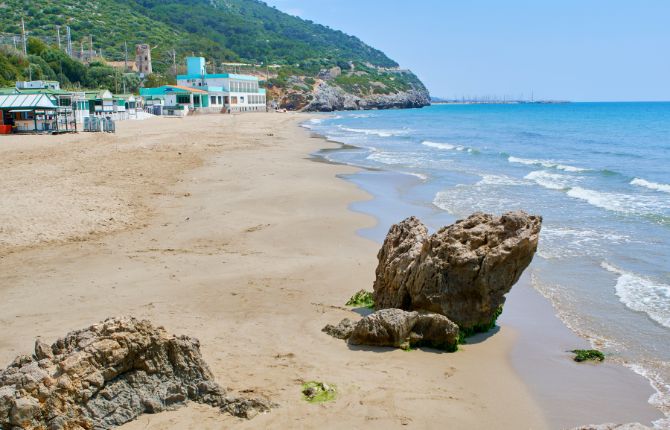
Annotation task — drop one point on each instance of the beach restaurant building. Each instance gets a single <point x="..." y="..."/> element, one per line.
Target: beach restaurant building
<point x="227" y="92"/>
<point x="174" y="100"/>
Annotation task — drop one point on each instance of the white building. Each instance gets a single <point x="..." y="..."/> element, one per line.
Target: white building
<point x="227" y="92"/>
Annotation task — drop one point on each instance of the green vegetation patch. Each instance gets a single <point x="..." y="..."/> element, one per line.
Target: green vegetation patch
<point x="318" y="392"/>
<point x="466" y="332"/>
<point x="362" y="299"/>
<point x="588" y="355"/>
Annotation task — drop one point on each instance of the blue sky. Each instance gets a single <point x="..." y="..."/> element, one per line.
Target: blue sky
<point x="580" y="50"/>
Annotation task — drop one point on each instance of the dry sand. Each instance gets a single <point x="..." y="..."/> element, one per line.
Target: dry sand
<point x="221" y="228"/>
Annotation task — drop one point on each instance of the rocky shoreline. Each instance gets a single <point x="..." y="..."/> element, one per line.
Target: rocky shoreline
<point x="327" y="98"/>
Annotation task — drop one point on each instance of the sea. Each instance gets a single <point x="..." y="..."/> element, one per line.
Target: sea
<point x="598" y="174"/>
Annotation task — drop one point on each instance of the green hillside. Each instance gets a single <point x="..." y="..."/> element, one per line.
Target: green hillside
<point x="246" y="31"/>
<point x="221" y="30"/>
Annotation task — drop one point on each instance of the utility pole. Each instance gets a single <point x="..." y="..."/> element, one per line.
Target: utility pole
<point x="90" y="49"/>
<point x="23" y="35"/>
<point x="58" y="36"/>
<point x="174" y="61"/>
<point x="125" y="45"/>
<point x="69" y="41"/>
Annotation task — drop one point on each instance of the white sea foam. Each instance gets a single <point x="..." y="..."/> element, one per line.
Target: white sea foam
<point x="375" y="132"/>
<point x="552" y="181"/>
<point x="421" y="176"/>
<point x="391" y="158"/>
<point x="549" y="164"/>
<point x="651" y="185"/>
<point x="316" y="120"/>
<point x="446" y="146"/>
<point x="642" y="294"/>
<point x="461" y="200"/>
<point x="566" y="242"/>
<point x="500" y="180"/>
<point x="623" y="203"/>
<point x="438" y="145"/>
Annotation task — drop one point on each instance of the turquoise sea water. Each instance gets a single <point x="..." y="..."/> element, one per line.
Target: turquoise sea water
<point x="599" y="174"/>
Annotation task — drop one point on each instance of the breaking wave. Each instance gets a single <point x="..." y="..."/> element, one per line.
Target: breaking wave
<point x="642" y="295"/>
<point x="446" y="146"/>
<point x="549" y="180"/>
<point x="651" y="185"/>
<point x="376" y="132"/>
<point x="546" y="163"/>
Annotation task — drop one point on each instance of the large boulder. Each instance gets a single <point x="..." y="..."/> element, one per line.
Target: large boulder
<point x="106" y="375"/>
<point x="402" y="329"/>
<point x="463" y="271"/>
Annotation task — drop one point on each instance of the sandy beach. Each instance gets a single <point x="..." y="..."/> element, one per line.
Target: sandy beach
<point x="223" y="228"/>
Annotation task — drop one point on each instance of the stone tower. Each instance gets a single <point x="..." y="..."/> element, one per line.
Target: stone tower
<point x="143" y="58"/>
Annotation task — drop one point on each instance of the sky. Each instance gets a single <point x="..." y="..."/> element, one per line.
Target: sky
<point x="578" y="50"/>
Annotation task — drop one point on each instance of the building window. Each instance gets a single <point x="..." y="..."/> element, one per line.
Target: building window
<point x="213" y="100"/>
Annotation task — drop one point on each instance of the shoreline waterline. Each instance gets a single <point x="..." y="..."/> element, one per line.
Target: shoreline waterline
<point x="389" y="205"/>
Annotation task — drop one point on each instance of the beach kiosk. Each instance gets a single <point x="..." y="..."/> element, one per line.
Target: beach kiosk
<point x="28" y="113"/>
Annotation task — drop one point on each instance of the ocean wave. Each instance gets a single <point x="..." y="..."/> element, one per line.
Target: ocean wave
<point x="549" y="180"/>
<point x="566" y="242"/>
<point x="447" y="146"/>
<point x="651" y="185"/>
<point x="421" y="176"/>
<point x="393" y="158"/>
<point x="642" y="294"/>
<point x="549" y="164"/>
<point x="623" y="203"/>
<point x="500" y="180"/>
<point x="660" y="399"/>
<point x="376" y="132"/>
<point x="461" y="201"/>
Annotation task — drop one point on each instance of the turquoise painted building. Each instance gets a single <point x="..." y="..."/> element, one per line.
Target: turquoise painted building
<point x="227" y="91"/>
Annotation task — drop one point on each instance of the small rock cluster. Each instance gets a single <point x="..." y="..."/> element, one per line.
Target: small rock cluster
<point x="109" y="374"/>
<point x="428" y="288"/>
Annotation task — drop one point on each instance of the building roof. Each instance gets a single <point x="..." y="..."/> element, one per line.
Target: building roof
<point x="98" y="94"/>
<point x="43" y="91"/>
<point x="169" y="89"/>
<point x="26" y="101"/>
<point x="218" y="76"/>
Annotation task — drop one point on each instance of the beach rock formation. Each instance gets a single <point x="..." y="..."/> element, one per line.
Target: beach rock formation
<point x="109" y="374"/>
<point x="341" y="331"/>
<point x="328" y="98"/>
<point x="400" y="329"/>
<point x="463" y="271"/>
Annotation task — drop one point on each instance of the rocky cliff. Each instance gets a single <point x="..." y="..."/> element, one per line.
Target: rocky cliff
<point x="357" y="86"/>
<point x="327" y="98"/>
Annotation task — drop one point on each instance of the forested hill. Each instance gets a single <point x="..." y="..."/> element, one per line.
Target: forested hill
<point x="246" y="31"/>
<point x="221" y="30"/>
